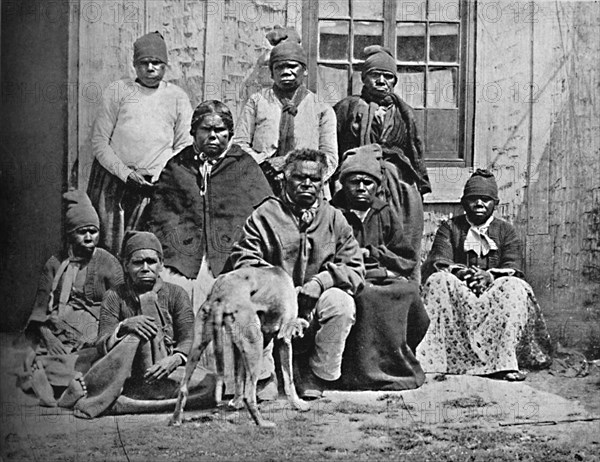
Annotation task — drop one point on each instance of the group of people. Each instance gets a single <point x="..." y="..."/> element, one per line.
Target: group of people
<point x="331" y="195"/>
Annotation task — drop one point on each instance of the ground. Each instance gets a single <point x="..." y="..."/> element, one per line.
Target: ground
<point x="450" y="418"/>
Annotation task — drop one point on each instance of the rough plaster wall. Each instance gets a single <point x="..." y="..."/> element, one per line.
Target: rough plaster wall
<point x="543" y="146"/>
<point x="566" y="198"/>
<point x="217" y="50"/>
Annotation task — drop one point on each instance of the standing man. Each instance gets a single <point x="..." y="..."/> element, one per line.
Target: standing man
<point x="286" y="116"/>
<point x="313" y="243"/>
<point x="141" y="124"/>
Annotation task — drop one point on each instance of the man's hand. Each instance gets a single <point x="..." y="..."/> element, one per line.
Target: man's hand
<point x="464" y="274"/>
<point x="143" y="326"/>
<point x="311" y="289"/>
<point x="52" y="343"/>
<point x="479" y="281"/>
<point x="138" y="179"/>
<point x="163" y="368"/>
<point x="365" y="252"/>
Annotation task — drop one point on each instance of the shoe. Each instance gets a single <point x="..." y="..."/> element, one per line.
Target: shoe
<point x="312" y="386"/>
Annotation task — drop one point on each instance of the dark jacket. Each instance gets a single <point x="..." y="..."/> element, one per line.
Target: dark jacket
<point x="187" y="223"/>
<point x="325" y="249"/>
<point x="448" y="247"/>
<point x="382" y="234"/>
<point x="103" y="272"/>
<point x="174" y="307"/>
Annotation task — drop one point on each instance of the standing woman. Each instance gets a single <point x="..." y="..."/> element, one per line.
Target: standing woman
<point x="140" y="125"/>
<point x="202" y="200"/>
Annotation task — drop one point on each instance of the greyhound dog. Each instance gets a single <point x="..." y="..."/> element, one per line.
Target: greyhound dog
<point x="250" y="303"/>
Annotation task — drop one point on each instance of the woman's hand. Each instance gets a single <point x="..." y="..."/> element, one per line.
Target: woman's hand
<point x="163" y="368"/>
<point x="479" y="280"/>
<point x="143" y="326"/>
<point x="52" y="343"/>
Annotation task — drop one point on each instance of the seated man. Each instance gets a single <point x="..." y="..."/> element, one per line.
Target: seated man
<point x="145" y="334"/>
<point x="484" y="316"/>
<point x="312" y="241"/>
<point x="64" y="322"/>
<point x="390" y="317"/>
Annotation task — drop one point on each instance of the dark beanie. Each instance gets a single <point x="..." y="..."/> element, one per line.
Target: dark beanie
<point x="481" y="183"/>
<point x="138" y="240"/>
<point x="364" y="159"/>
<point x="151" y="45"/>
<point x="286" y="46"/>
<point x="80" y="211"/>
<point x="380" y="59"/>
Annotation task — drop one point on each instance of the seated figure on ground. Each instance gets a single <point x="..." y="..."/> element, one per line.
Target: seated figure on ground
<point x="144" y="336"/>
<point x="390" y="317"/>
<point x="312" y="241"/>
<point x="485" y="319"/>
<point x="64" y="322"/>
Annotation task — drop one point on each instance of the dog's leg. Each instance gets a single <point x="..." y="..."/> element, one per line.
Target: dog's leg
<point x="249" y="341"/>
<point x="285" y="358"/>
<point x="218" y="335"/>
<point x="202" y="337"/>
<point x="240" y="376"/>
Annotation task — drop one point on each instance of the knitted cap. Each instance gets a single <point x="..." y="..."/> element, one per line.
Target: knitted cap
<point x="151" y="45"/>
<point x="286" y="46"/>
<point x="364" y="159"/>
<point x="139" y="240"/>
<point x="80" y="211"/>
<point x="481" y="183"/>
<point x="378" y="58"/>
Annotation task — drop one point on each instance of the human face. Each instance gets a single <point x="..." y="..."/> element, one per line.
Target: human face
<point x="143" y="267"/>
<point x="85" y="240"/>
<point x="150" y="71"/>
<point x="379" y="83"/>
<point x="360" y="190"/>
<point x="303" y="182"/>
<point x="478" y="208"/>
<point x="288" y="75"/>
<point x="212" y="135"/>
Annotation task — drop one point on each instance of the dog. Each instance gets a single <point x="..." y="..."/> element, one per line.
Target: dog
<point x="252" y="304"/>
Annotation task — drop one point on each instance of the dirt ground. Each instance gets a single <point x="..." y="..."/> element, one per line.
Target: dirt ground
<point x="450" y="418"/>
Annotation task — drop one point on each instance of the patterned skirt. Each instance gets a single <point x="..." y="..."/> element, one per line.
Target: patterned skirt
<point x="501" y="330"/>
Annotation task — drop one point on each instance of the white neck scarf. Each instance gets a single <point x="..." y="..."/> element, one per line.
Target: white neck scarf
<point x="478" y="240"/>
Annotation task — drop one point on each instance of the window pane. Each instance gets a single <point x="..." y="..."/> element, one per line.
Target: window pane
<point x="442" y="134"/>
<point x="411" y="85"/>
<point x="365" y="34"/>
<point x="411" y="10"/>
<point x="442" y="89"/>
<point x="444" y="10"/>
<point x="333" y="43"/>
<point x="410" y="42"/>
<point x="356" y="81"/>
<point x="333" y="8"/>
<point x="332" y="83"/>
<point x="367" y="9"/>
<point x="443" y="42"/>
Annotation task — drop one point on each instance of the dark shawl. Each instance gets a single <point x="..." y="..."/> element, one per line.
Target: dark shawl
<point x="188" y="224"/>
<point x="382" y="233"/>
<point x="398" y="135"/>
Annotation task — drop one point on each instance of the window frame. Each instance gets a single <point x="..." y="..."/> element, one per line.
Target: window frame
<point x="466" y="106"/>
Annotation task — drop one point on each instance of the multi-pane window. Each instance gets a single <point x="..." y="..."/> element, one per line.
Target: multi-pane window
<point x="432" y="41"/>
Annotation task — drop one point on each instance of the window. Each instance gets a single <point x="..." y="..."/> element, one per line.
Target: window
<point x="432" y="41"/>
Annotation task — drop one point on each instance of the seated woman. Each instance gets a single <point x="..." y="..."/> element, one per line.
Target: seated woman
<point x="390" y="317"/>
<point x="485" y="319"/>
<point x="64" y="322"/>
<point x="201" y="201"/>
<point x="145" y="333"/>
